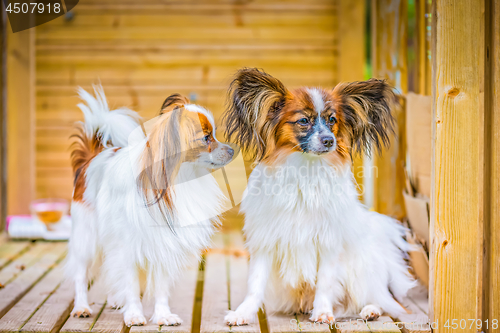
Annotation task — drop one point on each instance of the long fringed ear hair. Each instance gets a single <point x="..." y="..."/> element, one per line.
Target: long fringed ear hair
<point x="367" y="117"/>
<point x="164" y="152"/>
<point x="172" y="102"/>
<point x="254" y="99"/>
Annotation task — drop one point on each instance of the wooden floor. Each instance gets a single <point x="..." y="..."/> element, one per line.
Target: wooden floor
<point x="34" y="297"/>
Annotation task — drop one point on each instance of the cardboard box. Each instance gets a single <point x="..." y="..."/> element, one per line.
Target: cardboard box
<point x="419" y="260"/>
<point x="417" y="211"/>
<point x="419" y="141"/>
<point x="418" y="180"/>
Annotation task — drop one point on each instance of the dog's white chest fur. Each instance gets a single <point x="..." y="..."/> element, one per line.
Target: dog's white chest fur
<point x="295" y="211"/>
<point x="306" y="212"/>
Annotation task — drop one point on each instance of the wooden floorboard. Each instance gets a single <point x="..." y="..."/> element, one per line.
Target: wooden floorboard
<point x="110" y="321"/>
<point x="20" y="263"/>
<point x="418" y="297"/>
<point x="181" y="303"/>
<point x="225" y="281"/>
<point x="20" y="313"/>
<point x="417" y="303"/>
<point x="11" y="250"/>
<point x="281" y="323"/>
<point x="215" y="297"/>
<point x="37" y="298"/>
<point x="54" y="312"/>
<point x="97" y="302"/>
<point x="215" y="302"/>
<point x="238" y="272"/>
<point x="383" y="324"/>
<point x="350" y="325"/>
<point x="238" y="275"/>
<point x="47" y="255"/>
<point x="308" y="326"/>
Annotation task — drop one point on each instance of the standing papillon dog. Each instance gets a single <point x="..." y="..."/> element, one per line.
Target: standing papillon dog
<point x="142" y="209"/>
<point x="313" y="246"/>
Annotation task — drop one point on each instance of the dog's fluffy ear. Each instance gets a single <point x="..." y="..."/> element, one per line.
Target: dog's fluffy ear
<point x="254" y="99"/>
<point x="161" y="160"/>
<point x="172" y="102"/>
<point x="367" y="116"/>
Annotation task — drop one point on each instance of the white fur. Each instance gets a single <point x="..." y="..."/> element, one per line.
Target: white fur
<point x="320" y="129"/>
<point x="370" y="312"/>
<point x="317" y="99"/>
<point x="112" y="126"/>
<point x="112" y="223"/>
<point x="202" y="110"/>
<point x="314" y="247"/>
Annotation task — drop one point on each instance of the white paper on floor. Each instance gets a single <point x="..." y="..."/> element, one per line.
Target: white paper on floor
<point x="27" y="227"/>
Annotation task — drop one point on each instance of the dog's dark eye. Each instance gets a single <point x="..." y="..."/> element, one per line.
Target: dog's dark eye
<point x="332" y="120"/>
<point x="303" y="121"/>
<point x="206" y="139"/>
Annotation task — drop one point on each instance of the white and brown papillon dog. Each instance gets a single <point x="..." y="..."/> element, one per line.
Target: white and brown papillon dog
<point x="142" y="211"/>
<point x="314" y="248"/>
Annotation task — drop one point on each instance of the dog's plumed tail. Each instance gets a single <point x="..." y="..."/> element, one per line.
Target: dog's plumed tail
<point x="101" y="129"/>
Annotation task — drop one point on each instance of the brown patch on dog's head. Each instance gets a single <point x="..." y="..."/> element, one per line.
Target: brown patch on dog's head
<point x="308" y="117"/>
<point x="172" y="102"/>
<point x="185" y="134"/>
<point x="204" y="138"/>
<point x="270" y="122"/>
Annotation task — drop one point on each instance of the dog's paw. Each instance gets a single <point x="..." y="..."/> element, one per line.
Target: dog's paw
<point x="370" y="312"/>
<point x="134" y="319"/>
<point x="234" y="318"/>
<point x="322" y="317"/>
<point x="113" y="304"/>
<point x="81" y="311"/>
<point x="167" y="319"/>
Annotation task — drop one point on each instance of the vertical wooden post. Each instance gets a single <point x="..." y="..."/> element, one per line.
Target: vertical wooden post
<point x="20" y="120"/>
<point x="491" y="292"/>
<point x="465" y="217"/>
<point x="423" y="71"/>
<point x="351" y="34"/>
<point x="389" y="61"/>
<point x="3" y="160"/>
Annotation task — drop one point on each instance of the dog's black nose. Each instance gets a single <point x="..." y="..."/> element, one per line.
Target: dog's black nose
<point x="230" y="151"/>
<point x="327" y="141"/>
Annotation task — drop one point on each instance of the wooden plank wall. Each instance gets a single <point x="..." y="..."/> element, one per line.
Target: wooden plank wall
<point x="389" y="61"/>
<point x="465" y="218"/>
<point x="352" y="57"/>
<point x="423" y="77"/>
<point x="20" y="120"/>
<point x="492" y="308"/>
<point x="144" y="51"/>
<point x="3" y="123"/>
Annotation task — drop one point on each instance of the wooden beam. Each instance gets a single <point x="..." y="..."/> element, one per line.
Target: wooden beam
<point x="3" y="160"/>
<point x="463" y="181"/>
<point x="423" y="47"/>
<point x="20" y="120"/>
<point x="389" y="30"/>
<point x="492" y="149"/>
<point x="351" y="62"/>
<point x="351" y="34"/>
